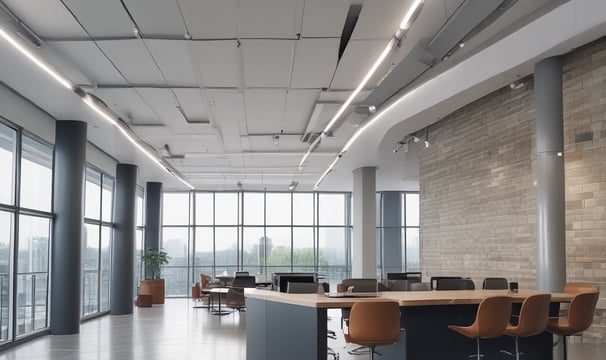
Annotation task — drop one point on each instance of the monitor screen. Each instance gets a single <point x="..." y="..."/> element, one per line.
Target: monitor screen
<point x="301" y="278"/>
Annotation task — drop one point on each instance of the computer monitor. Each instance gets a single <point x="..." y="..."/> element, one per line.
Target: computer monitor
<point x="283" y="279"/>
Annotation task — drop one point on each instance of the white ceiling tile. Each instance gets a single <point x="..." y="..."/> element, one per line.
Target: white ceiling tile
<point x="265" y="110"/>
<point x="102" y="19"/>
<point x="269" y="18"/>
<point x="57" y="21"/>
<point x="230" y="134"/>
<point x="380" y="19"/>
<point x="155" y="134"/>
<point x="128" y="105"/>
<point x="357" y="59"/>
<point x="299" y="105"/>
<point x="210" y="19"/>
<point x="157" y="17"/>
<point x="323" y="18"/>
<point x="216" y="62"/>
<point x="227" y="106"/>
<point x="267" y="62"/>
<point x="133" y="60"/>
<point x="194" y="104"/>
<point x="163" y="103"/>
<point x="174" y="61"/>
<point x="315" y="63"/>
<point x="89" y="60"/>
<point x="187" y="144"/>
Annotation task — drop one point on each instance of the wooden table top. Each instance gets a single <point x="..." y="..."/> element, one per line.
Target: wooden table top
<point x="404" y="298"/>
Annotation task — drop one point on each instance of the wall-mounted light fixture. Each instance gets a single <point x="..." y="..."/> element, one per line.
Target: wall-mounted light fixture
<point x="293" y="185"/>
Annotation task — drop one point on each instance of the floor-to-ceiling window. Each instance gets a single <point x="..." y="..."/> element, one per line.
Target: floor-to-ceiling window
<point x="261" y="232"/>
<point x="96" y="242"/>
<point x="397" y="232"/>
<point x="139" y="232"/>
<point x="25" y="232"/>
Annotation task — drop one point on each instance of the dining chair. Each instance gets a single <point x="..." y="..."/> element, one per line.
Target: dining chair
<point x="579" y="319"/>
<point x="491" y="320"/>
<point x="373" y="323"/>
<point x="534" y="315"/>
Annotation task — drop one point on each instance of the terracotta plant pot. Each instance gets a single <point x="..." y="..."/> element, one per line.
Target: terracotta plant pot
<point x="155" y="288"/>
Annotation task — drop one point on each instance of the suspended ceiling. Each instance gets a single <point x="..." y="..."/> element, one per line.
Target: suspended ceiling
<point x="232" y="92"/>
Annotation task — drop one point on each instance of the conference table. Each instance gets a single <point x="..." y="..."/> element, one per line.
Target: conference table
<point x="294" y="326"/>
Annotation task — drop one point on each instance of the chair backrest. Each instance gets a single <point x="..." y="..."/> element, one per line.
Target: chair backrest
<point x="302" y="288"/>
<point x="534" y="315"/>
<point x="241" y="273"/>
<point x="433" y="282"/>
<point x="575" y="288"/>
<point x="204" y="280"/>
<point x="493" y="316"/>
<point x="492" y="283"/>
<point x="361" y="285"/>
<point x="581" y="310"/>
<point x="420" y="286"/>
<point x="374" y="321"/>
<point x="401" y="285"/>
<point x="244" y="282"/>
<point x="235" y="298"/>
<point x="455" y="284"/>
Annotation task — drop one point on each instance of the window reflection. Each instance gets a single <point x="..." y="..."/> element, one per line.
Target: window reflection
<point x="7" y="164"/>
<point x="36" y="175"/>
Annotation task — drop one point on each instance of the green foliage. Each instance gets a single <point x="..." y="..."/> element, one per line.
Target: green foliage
<point x="153" y="259"/>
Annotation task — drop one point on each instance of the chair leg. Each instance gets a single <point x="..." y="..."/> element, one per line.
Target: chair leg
<point x="565" y="346"/>
<point x="372" y="353"/>
<point x="517" y="348"/>
<point x="478" y="346"/>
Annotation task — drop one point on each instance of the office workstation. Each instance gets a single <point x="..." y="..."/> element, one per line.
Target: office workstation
<point x="392" y="140"/>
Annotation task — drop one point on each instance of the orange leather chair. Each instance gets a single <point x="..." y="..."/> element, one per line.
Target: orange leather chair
<point x="576" y="288"/>
<point x="579" y="319"/>
<point x="491" y="320"/>
<point x="533" y="319"/>
<point x="373" y="323"/>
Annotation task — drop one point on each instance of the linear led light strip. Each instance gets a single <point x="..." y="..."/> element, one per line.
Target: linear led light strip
<point x="404" y="26"/>
<point x="103" y="112"/>
<point x="88" y="101"/>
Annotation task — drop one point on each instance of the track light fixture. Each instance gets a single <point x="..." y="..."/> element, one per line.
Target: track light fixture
<point x="293" y="185"/>
<point x="403" y="144"/>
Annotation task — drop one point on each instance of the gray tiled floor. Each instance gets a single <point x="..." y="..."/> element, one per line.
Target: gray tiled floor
<point x="176" y="331"/>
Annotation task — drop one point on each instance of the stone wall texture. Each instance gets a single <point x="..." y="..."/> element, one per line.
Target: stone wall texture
<point x="478" y="184"/>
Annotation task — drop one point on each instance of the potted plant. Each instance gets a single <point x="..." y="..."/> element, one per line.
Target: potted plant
<point x="153" y="260"/>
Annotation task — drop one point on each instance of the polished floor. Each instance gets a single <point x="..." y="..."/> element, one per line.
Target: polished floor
<point x="178" y="331"/>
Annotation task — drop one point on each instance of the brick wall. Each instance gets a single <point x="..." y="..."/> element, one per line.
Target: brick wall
<point x="477" y="182"/>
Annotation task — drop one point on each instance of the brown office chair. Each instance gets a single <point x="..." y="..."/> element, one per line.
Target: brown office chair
<point x="533" y="319"/>
<point x="373" y="323"/>
<point x="234" y="299"/>
<point x="579" y="319"/>
<point x="491" y="320"/>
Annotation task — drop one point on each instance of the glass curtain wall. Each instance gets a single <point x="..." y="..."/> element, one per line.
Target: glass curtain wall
<point x="404" y="229"/>
<point x="139" y="232"/>
<point x="25" y="232"/>
<point x="96" y="242"/>
<point x="219" y="233"/>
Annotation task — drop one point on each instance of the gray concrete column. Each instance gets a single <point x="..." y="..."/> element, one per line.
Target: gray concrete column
<point x="123" y="249"/>
<point x="391" y="219"/>
<point x="68" y="208"/>
<point x="364" y="247"/>
<point x="551" y="239"/>
<point x="153" y="218"/>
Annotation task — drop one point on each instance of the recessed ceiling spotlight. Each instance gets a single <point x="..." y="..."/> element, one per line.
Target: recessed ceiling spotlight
<point x="516" y="85"/>
<point x="461" y="44"/>
<point x="372" y="109"/>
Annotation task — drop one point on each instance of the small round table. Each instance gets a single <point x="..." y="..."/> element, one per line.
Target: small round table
<point x="219" y="291"/>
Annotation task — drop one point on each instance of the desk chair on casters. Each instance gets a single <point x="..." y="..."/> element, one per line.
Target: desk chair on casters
<point x="373" y="323"/>
<point x="579" y="319"/>
<point x="533" y="319"/>
<point x="491" y="320"/>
